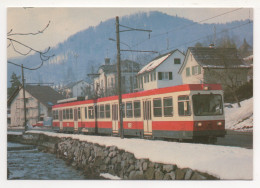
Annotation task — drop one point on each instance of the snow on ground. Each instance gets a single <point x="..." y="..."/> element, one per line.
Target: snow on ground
<point x="221" y="161"/>
<point x="110" y="176"/>
<point x="240" y="118"/>
<point x="14" y="133"/>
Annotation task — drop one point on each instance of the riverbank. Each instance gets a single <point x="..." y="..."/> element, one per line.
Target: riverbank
<point x="96" y="155"/>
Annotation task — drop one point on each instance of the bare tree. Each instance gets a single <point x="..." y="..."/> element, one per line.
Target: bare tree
<point x="15" y="44"/>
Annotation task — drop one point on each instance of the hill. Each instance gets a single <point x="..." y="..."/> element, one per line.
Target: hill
<point x="92" y="45"/>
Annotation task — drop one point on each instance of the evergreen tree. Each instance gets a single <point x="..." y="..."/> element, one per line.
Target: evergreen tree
<point x="245" y="49"/>
<point x="15" y="84"/>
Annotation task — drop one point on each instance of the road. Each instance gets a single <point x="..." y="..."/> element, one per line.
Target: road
<point x="235" y="138"/>
<point x="232" y="138"/>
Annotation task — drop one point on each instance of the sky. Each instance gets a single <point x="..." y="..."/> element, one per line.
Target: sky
<point x="67" y="21"/>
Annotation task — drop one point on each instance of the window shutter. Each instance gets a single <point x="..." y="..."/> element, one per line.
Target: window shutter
<point x="159" y="75"/>
<point x="199" y="70"/>
<point x="193" y="70"/>
<point x="170" y="75"/>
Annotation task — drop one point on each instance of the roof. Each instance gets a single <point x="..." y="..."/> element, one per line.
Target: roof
<point x="126" y="66"/>
<point x="178" y="88"/>
<point x="45" y="94"/>
<point x="215" y="58"/>
<point x="72" y="84"/>
<point x="156" y="62"/>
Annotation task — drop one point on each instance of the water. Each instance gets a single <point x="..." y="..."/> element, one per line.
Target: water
<point x="30" y="164"/>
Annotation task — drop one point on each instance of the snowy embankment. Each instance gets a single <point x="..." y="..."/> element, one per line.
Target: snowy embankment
<point x="240" y="118"/>
<point x="220" y="161"/>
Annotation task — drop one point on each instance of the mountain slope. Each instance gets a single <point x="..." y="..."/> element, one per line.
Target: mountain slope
<point x="92" y="45"/>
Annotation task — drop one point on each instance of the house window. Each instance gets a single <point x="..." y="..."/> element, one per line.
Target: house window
<point x="112" y="82"/>
<point x="164" y="75"/>
<point x="154" y="75"/>
<point x="177" y="61"/>
<point x="151" y="75"/>
<point x="196" y="70"/>
<point x="184" y="105"/>
<point x="188" y="71"/>
<point x="137" y="109"/>
<point x="107" y="108"/>
<point x="167" y="107"/>
<point x="157" y="107"/>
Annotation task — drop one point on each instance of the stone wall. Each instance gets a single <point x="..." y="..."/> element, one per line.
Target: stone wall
<point x="95" y="159"/>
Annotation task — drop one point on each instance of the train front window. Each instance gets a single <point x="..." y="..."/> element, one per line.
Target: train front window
<point x="207" y="105"/>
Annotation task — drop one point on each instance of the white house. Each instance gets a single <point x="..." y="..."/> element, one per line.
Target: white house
<point x="77" y="89"/>
<point x="105" y="83"/>
<point x="213" y="65"/>
<point x="161" y="72"/>
<point x="39" y="101"/>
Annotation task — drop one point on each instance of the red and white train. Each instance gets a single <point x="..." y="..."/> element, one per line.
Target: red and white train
<point x="180" y="112"/>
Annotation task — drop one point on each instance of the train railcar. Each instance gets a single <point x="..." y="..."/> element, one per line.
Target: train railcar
<point x="180" y="112"/>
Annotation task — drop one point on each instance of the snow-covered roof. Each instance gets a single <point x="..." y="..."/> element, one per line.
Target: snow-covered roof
<point x="215" y="58"/>
<point x="248" y="58"/>
<point x="153" y="64"/>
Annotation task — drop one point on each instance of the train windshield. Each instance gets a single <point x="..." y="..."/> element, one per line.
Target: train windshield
<point x="207" y="105"/>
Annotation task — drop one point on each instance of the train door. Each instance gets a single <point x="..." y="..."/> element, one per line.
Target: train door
<point x="76" y="119"/>
<point x="60" y="120"/>
<point x="147" y="117"/>
<point x="115" y="118"/>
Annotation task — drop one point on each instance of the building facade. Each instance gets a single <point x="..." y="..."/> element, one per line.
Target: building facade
<point x="105" y="83"/>
<point x="161" y="72"/>
<point x="77" y="89"/>
<point x="214" y="65"/>
<point x="39" y="101"/>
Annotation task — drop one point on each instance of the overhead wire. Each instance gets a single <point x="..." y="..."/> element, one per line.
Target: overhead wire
<point x="187" y="25"/>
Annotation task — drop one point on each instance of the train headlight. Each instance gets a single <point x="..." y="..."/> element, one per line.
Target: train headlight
<point x="199" y="124"/>
<point x="219" y="123"/>
<point x="206" y="88"/>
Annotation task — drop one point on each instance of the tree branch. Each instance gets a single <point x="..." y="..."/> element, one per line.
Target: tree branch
<point x="36" y="33"/>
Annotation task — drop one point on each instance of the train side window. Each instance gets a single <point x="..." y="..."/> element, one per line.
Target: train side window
<point x="167" y="106"/>
<point x="71" y="113"/>
<point x="97" y="111"/>
<point x="86" y="112"/>
<point x="107" y="109"/>
<point x="91" y="112"/>
<point x="67" y="113"/>
<point x="64" y="114"/>
<point x="79" y="113"/>
<point x="129" y="110"/>
<point x="101" y="111"/>
<point x="157" y="107"/>
<point x="123" y="109"/>
<point x="137" y="109"/>
<point x="184" y="105"/>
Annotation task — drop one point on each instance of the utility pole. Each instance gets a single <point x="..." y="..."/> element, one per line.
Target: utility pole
<point x="119" y="67"/>
<point x="119" y="79"/>
<point x="24" y="102"/>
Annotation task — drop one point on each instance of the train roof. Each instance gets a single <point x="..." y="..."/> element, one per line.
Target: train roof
<point x="185" y="87"/>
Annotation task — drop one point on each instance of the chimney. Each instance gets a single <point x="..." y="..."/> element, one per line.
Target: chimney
<point x="107" y="61"/>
